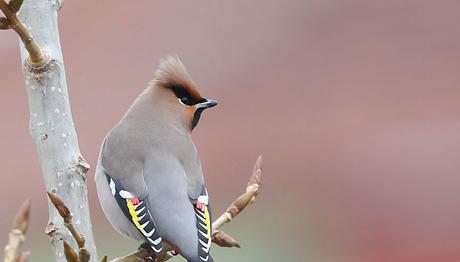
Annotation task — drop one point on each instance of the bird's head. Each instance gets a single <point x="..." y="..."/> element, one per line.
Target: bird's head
<point x="177" y="93"/>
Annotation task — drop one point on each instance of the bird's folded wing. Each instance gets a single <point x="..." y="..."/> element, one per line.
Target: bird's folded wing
<point x="137" y="212"/>
<point x="203" y="223"/>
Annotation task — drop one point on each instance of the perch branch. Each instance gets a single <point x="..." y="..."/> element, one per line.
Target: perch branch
<point x="139" y="255"/>
<point x="71" y="255"/>
<point x="218" y="237"/>
<point x="36" y="57"/>
<point x="17" y="235"/>
<point x="142" y="254"/>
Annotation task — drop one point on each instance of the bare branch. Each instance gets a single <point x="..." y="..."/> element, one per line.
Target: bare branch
<point x="36" y="57"/>
<point x="143" y="255"/>
<point x="50" y="124"/>
<point x="139" y="255"/>
<point x="17" y="234"/>
<point x="71" y="255"/>
<point x="67" y="216"/>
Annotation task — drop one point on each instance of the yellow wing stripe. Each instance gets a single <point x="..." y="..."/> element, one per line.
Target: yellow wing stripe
<point x="208" y="222"/>
<point x="134" y="217"/>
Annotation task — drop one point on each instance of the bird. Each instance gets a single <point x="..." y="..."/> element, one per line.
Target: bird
<point x="149" y="178"/>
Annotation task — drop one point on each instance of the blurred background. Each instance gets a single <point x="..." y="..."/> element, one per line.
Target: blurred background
<point x="354" y="106"/>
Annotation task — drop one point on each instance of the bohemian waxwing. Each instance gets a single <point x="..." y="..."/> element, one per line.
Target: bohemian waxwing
<point x="148" y="176"/>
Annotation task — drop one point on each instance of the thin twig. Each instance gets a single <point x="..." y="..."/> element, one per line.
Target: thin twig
<point x="36" y="57"/>
<point x="139" y="255"/>
<point x="83" y="254"/>
<point x="17" y="235"/>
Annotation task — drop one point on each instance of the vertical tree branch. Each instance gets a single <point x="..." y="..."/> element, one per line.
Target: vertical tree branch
<point x="51" y="126"/>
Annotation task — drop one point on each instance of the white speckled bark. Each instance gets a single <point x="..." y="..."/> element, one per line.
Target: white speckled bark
<point x="52" y="128"/>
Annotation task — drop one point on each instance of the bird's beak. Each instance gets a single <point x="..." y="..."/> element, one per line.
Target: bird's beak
<point x="206" y="104"/>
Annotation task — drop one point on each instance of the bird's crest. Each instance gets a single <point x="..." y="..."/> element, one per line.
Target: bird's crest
<point x="172" y="74"/>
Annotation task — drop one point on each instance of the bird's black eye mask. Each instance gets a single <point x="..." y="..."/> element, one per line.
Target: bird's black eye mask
<point x="184" y="96"/>
<point x="187" y="99"/>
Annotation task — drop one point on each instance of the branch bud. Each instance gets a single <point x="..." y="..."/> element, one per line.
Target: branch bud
<point x="70" y="253"/>
<point x="61" y="207"/>
<point x="22" y="217"/>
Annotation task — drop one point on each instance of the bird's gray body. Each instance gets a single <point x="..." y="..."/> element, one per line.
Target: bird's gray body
<point x="154" y="159"/>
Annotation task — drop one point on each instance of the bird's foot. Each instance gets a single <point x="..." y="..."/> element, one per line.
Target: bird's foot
<point x="152" y="254"/>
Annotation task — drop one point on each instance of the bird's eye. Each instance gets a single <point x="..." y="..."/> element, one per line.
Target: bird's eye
<point x="185" y="100"/>
<point x="184" y="97"/>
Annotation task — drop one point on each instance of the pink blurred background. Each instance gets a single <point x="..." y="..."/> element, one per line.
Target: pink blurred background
<point x="353" y="104"/>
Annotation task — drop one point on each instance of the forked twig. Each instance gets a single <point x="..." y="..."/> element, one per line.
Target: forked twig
<point x="71" y="255"/>
<point x="36" y="57"/>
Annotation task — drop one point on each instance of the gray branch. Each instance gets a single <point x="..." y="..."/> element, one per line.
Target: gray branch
<point x="51" y="126"/>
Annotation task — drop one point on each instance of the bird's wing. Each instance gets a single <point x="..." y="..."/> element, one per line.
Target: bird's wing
<point x="203" y="224"/>
<point x="137" y="211"/>
<point x="126" y="181"/>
